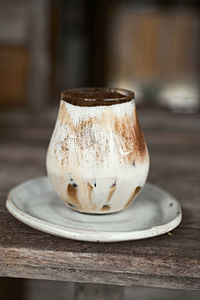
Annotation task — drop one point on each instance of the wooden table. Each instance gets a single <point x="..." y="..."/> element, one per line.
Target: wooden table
<point x="170" y="261"/>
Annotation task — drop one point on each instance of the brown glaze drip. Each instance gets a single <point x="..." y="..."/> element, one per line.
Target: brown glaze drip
<point x="97" y="96"/>
<point x="105" y="208"/>
<point x="72" y="196"/>
<point x="124" y="127"/>
<point x="111" y="192"/>
<point x="90" y="188"/>
<point x="133" y="142"/>
<point x="133" y="195"/>
<point x="140" y="144"/>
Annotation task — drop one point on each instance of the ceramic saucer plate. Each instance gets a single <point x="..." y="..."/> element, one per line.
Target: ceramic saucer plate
<point x="36" y="204"/>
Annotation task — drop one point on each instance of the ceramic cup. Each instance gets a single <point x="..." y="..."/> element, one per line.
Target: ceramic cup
<point x="97" y="158"/>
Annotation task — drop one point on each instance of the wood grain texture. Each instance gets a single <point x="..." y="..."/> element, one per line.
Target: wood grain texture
<point x="164" y="261"/>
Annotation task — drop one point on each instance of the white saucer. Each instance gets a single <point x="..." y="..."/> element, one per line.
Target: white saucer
<point x="35" y="203"/>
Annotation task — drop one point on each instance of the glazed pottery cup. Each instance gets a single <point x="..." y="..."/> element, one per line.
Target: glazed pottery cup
<point x="97" y="158"/>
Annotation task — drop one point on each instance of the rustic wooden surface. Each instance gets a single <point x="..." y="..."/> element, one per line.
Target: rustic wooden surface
<point x="171" y="261"/>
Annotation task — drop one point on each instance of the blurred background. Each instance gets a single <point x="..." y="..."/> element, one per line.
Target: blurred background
<point x="46" y="46"/>
<point x="151" y="47"/>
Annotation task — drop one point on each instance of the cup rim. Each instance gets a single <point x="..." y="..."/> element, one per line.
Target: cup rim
<point x="97" y="96"/>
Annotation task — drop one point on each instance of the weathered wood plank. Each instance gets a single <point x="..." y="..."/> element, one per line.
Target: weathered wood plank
<point x="113" y="278"/>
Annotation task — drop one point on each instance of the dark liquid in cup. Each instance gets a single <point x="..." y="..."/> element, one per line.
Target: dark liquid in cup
<point x="96" y="96"/>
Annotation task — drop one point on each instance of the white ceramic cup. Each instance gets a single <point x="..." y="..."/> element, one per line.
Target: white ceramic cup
<point x="97" y="158"/>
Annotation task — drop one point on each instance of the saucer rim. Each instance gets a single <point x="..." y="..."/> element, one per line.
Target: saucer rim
<point x="86" y="234"/>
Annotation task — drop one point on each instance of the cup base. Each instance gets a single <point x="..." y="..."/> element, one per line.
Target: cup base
<point x="95" y="213"/>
